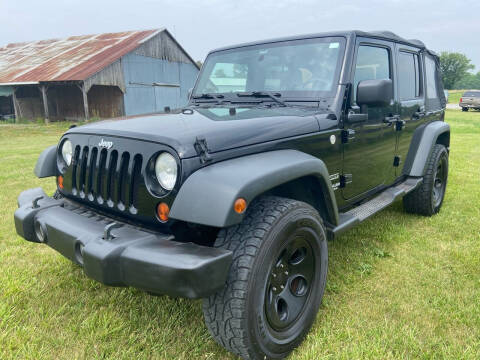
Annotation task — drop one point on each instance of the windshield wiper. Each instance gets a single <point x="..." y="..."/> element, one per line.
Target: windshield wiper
<point x="208" y="96"/>
<point x="262" y="94"/>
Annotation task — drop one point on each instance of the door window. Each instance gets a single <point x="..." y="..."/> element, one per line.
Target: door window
<point x="373" y="63"/>
<point x="430" y="73"/>
<point x="409" y="76"/>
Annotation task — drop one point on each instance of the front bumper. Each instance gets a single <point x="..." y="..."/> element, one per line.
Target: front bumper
<point x="120" y="254"/>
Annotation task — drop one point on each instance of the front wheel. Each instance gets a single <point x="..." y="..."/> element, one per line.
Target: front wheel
<point x="276" y="281"/>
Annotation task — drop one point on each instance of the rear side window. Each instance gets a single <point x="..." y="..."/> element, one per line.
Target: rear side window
<point x="431" y="75"/>
<point x="409" y="76"/>
<point x="373" y="63"/>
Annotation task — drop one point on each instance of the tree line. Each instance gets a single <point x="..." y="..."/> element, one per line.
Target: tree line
<point x="457" y="71"/>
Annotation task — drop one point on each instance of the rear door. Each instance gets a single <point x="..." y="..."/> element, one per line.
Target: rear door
<point x="411" y="100"/>
<point x="369" y="150"/>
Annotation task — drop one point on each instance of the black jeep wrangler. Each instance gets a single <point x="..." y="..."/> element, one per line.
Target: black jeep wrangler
<point x="284" y="144"/>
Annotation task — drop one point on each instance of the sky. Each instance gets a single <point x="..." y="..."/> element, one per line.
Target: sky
<point x="200" y="26"/>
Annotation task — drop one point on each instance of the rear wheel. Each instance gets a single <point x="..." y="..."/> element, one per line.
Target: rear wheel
<point x="427" y="199"/>
<point x="464" y="109"/>
<point x="276" y="282"/>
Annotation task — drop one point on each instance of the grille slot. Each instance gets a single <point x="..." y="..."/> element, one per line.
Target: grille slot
<point x="135" y="179"/>
<point x="82" y="172"/>
<point x="74" y="171"/>
<point x="91" y="173"/>
<point x="122" y="180"/>
<point x="100" y="175"/>
<point x="106" y="177"/>
<point x="112" y="166"/>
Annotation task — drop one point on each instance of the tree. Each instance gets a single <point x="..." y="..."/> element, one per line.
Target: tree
<point x="454" y="66"/>
<point x="219" y="73"/>
<point x="469" y="81"/>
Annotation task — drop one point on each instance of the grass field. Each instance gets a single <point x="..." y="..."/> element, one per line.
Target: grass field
<point x="399" y="286"/>
<point x="454" y="96"/>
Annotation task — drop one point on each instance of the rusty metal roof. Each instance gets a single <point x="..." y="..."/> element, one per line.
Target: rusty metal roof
<point x="73" y="58"/>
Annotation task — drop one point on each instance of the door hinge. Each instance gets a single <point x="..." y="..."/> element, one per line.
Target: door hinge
<point x="345" y="179"/>
<point x="396" y="161"/>
<point x="399" y="125"/>
<point x="201" y="147"/>
<point x="347" y="135"/>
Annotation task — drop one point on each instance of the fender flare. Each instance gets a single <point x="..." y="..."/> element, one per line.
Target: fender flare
<point x="208" y="195"/>
<point x="46" y="165"/>
<point x="423" y="140"/>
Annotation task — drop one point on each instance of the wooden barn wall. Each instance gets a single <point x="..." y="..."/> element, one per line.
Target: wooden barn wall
<point x="6" y="105"/>
<point x="143" y="97"/>
<point x="111" y="75"/>
<point x="105" y="101"/>
<point x="66" y="101"/>
<point x="163" y="47"/>
<point x="30" y="103"/>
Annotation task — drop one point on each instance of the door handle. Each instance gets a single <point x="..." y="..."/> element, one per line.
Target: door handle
<point x="418" y="114"/>
<point x="353" y="118"/>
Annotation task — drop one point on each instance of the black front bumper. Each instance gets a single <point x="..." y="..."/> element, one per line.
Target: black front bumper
<point x="119" y="254"/>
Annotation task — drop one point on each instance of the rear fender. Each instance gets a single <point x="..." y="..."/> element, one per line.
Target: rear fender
<point x="423" y="140"/>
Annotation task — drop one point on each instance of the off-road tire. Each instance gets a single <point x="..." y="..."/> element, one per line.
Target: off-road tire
<point x="236" y="315"/>
<point x="422" y="200"/>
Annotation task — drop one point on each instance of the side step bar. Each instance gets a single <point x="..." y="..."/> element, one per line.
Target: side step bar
<point x="362" y="212"/>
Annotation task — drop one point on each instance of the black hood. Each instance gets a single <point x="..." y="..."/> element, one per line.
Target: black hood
<point x="221" y="129"/>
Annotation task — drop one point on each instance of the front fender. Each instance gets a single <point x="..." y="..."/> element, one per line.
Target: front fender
<point x="421" y="146"/>
<point x="208" y="195"/>
<point x="46" y="163"/>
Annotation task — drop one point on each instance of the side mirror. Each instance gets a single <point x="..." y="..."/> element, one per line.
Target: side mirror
<point x="189" y="93"/>
<point x="374" y="92"/>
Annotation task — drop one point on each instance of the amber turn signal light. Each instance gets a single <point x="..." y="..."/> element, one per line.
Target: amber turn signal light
<point x="162" y="212"/>
<point x="240" y="206"/>
<point x="60" y="181"/>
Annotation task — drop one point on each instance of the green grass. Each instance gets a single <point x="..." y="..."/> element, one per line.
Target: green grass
<point x="454" y="96"/>
<point x="399" y="286"/>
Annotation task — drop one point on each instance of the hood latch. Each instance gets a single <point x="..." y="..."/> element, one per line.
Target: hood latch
<point x="201" y="147"/>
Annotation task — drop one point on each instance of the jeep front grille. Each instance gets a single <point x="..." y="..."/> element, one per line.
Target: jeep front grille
<point x="106" y="177"/>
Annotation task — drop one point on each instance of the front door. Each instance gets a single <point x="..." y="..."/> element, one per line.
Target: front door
<point x="369" y="150"/>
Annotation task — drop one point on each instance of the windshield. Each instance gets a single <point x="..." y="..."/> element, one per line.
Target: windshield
<point x="291" y="69"/>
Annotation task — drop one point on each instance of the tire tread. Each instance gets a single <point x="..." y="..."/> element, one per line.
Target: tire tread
<point x="225" y="311"/>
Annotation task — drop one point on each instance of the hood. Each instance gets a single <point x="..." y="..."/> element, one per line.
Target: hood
<point x="221" y="130"/>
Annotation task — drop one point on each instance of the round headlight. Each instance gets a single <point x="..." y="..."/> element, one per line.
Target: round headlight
<point x="166" y="170"/>
<point x="67" y="152"/>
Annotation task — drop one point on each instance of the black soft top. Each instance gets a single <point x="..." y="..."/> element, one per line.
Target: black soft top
<point x="384" y="35"/>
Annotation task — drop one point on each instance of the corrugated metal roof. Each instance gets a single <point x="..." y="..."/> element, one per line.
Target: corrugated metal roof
<point x="73" y="58"/>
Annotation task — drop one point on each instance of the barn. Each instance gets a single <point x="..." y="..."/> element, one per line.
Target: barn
<point x="95" y="76"/>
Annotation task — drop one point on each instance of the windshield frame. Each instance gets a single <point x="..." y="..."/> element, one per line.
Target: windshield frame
<point x="301" y="96"/>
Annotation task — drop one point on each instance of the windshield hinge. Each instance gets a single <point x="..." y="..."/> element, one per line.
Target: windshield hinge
<point x="201" y="147"/>
<point x="347" y="135"/>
